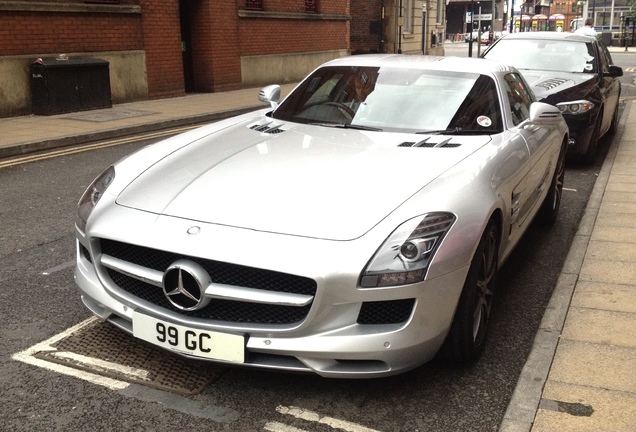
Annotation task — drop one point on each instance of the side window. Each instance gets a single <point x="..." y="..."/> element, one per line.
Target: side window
<point x="604" y="57"/>
<point x="518" y="97"/>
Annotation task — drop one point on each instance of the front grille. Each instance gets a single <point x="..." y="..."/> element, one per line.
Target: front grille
<point x="386" y="312"/>
<point x="220" y="272"/>
<point x="217" y="310"/>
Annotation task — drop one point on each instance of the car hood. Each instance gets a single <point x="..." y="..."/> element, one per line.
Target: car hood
<point x="569" y="86"/>
<point x="302" y="180"/>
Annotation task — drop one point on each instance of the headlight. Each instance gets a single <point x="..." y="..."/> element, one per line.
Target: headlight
<point x="92" y="195"/>
<point x="575" y="107"/>
<point x="406" y="254"/>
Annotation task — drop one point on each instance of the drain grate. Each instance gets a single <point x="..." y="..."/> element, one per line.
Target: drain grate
<point x="105" y="350"/>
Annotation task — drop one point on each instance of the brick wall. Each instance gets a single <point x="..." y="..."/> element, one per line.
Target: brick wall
<point x="39" y="33"/>
<point x="366" y="26"/>
<point x="221" y="36"/>
<point x="162" y="43"/>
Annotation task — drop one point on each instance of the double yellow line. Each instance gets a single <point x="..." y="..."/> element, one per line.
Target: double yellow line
<point x="88" y="147"/>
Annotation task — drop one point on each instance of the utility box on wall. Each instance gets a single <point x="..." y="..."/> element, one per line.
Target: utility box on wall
<point x="61" y="86"/>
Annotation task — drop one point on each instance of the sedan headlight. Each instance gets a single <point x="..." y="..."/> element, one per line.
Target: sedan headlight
<point x="406" y="254"/>
<point x="92" y="195"/>
<point x="575" y="107"/>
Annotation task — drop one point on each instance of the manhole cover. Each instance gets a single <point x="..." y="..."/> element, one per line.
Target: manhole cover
<point x="105" y="350"/>
<point x="111" y="114"/>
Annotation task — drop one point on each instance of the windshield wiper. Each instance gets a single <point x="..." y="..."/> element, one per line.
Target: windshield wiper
<point x="348" y="126"/>
<point x="456" y="131"/>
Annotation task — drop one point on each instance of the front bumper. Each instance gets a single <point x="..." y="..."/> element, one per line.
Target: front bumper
<point x="581" y="130"/>
<point x="328" y="341"/>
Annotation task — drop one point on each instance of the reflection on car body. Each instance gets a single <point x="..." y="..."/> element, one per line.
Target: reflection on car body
<point x="354" y="229"/>
<point x="575" y="73"/>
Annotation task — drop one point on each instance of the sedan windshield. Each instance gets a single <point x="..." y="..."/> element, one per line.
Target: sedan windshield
<point x="396" y="99"/>
<point x="546" y="55"/>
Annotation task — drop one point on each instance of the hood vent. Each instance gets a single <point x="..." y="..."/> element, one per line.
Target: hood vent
<point x="267" y="128"/>
<point x="424" y="143"/>
<point x="552" y="83"/>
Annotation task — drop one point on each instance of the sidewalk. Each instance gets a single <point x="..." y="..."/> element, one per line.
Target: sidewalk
<point x="27" y="134"/>
<point x="581" y="372"/>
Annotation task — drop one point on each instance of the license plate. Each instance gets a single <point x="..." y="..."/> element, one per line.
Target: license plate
<point x="191" y="341"/>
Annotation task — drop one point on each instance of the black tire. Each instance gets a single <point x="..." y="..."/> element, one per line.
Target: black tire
<point x="614" y="125"/>
<point x="590" y="155"/>
<point x="550" y="207"/>
<point x="466" y="338"/>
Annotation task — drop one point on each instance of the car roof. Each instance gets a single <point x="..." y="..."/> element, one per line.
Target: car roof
<point x="424" y="62"/>
<point x="550" y="35"/>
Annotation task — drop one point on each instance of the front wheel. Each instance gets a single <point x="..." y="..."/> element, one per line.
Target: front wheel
<point x="590" y="154"/>
<point x="614" y="125"/>
<point x="549" y="209"/>
<point x="466" y="338"/>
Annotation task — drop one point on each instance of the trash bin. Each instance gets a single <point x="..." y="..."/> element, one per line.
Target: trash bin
<point x="67" y="85"/>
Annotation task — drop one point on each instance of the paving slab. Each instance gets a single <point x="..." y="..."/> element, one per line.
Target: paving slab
<point x="595" y="365"/>
<point x="611" y="411"/>
<point x="605" y="296"/>
<point x="602" y="327"/>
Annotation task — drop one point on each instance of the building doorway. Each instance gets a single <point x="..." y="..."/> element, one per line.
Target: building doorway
<point x="185" y="17"/>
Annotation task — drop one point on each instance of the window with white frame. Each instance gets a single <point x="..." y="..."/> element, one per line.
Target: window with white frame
<point x="407" y="16"/>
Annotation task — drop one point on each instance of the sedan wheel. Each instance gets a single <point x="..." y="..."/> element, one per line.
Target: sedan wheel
<point x="467" y="335"/>
<point x="590" y="154"/>
<point x="614" y="126"/>
<point x="550" y="208"/>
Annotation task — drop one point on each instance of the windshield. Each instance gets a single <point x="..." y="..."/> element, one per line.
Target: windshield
<point x="396" y="99"/>
<point x="546" y="55"/>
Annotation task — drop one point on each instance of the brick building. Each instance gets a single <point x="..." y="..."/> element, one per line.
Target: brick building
<point x="165" y="48"/>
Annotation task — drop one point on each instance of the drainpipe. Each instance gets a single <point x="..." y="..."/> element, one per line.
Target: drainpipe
<point x="382" y="41"/>
<point x="400" y="22"/>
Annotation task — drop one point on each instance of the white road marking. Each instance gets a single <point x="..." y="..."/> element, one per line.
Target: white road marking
<point x="28" y="356"/>
<point x="130" y="372"/>
<point x="304" y="414"/>
<point x="58" y="268"/>
<point x="569" y="190"/>
<point x="280" y="427"/>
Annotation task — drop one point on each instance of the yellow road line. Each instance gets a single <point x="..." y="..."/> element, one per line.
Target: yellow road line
<point x="88" y="147"/>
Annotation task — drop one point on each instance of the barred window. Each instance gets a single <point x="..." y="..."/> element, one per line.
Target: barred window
<point x="311" y="5"/>
<point x="254" y="4"/>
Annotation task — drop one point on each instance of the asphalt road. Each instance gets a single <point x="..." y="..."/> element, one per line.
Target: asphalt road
<point x="39" y="300"/>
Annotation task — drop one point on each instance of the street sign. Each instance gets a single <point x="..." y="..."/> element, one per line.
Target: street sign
<point x="483" y="17"/>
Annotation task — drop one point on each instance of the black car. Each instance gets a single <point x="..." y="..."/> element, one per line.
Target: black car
<point x="573" y="72"/>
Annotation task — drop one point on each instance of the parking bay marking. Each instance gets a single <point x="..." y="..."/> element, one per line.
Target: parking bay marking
<point x="58" y="268"/>
<point x="311" y="416"/>
<point x="43" y="354"/>
<point x="29" y="356"/>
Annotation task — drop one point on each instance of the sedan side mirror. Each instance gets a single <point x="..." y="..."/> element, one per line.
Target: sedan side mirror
<point x="614" y="71"/>
<point x="270" y="94"/>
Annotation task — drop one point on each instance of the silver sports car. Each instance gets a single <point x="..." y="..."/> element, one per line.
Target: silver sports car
<point x="354" y="229"/>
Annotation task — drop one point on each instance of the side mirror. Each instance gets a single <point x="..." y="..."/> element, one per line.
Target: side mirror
<point x="614" y="71"/>
<point x="270" y="94"/>
<point x="543" y="113"/>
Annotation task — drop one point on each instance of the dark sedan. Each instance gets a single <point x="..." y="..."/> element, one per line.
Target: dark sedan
<point x="574" y="72"/>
